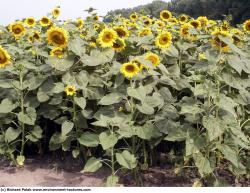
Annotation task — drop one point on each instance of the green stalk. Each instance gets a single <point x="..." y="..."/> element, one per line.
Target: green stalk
<point x="22" y="110"/>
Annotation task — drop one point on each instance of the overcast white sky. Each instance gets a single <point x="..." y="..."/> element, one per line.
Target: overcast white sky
<point x="71" y="9"/>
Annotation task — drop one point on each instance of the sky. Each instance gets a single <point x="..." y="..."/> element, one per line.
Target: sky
<point x="71" y="9"/>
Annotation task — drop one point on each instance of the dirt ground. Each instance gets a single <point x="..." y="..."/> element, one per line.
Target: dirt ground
<point x="52" y="171"/>
<point x="45" y="172"/>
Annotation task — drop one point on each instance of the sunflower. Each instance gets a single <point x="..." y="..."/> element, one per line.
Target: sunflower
<point x="133" y="16"/>
<point x="144" y="32"/>
<point x="119" y="45"/>
<point x="58" y="52"/>
<point x="79" y="23"/>
<point x="107" y="37"/>
<point x="30" y="39"/>
<point x="146" y="20"/>
<point x="70" y="90"/>
<point x="225" y="26"/>
<point x="56" y="12"/>
<point x="129" y="69"/>
<point x="58" y="37"/>
<point x="96" y="26"/>
<point x="140" y="65"/>
<point x="30" y="21"/>
<point x="154" y="58"/>
<point x="122" y="32"/>
<point x="195" y="23"/>
<point x="17" y="29"/>
<point x="165" y="15"/>
<point x="217" y="42"/>
<point x="5" y="58"/>
<point x="204" y="21"/>
<point x="160" y="24"/>
<point x="163" y="40"/>
<point x="36" y="35"/>
<point x="95" y="17"/>
<point x="246" y="26"/>
<point x="184" y="30"/>
<point x="237" y="36"/>
<point x="183" y="18"/>
<point x="45" y="21"/>
<point x="92" y="44"/>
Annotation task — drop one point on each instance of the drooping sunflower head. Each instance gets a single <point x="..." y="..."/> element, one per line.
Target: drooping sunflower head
<point x="133" y="16"/>
<point x="165" y="15"/>
<point x="225" y="26"/>
<point x="119" y="45"/>
<point x="246" y="26"/>
<point x="122" y="32"/>
<point x="57" y="52"/>
<point x="79" y="23"/>
<point x="203" y="20"/>
<point x="196" y="24"/>
<point x="129" y="69"/>
<point x="70" y="90"/>
<point x="183" y="18"/>
<point x="163" y="40"/>
<point x="45" y="21"/>
<point x="30" y="21"/>
<point x="57" y="37"/>
<point x="144" y="32"/>
<point x="56" y="12"/>
<point x="107" y="37"/>
<point x="217" y="42"/>
<point x="5" y="58"/>
<point x="153" y="58"/>
<point x="17" y="29"/>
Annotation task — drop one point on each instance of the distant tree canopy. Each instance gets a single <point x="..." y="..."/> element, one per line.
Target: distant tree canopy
<point x="213" y="9"/>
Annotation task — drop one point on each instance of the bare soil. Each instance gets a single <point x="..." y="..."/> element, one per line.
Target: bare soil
<point x="51" y="171"/>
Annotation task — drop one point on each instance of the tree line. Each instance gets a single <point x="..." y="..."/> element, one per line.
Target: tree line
<point x="239" y="10"/>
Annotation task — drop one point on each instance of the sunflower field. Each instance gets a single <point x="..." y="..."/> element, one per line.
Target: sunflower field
<point x="119" y="93"/>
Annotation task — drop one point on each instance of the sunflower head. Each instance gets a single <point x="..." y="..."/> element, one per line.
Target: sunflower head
<point x="119" y="45"/>
<point x="57" y="52"/>
<point x="79" y="23"/>
<point x="17" y="29"/>
<point x="165" y="15"/>
<point x="36" y="35"/>
<point x="183" y="19"/>
<point x="217" y="42"/>
<point x="144" y="32"/>
<point x="195" y="23"/>
<point x="129" y="69"/>
<point x="107" y="37"/>
<point x="184" y="30"/>
<point x="30" y="21"/>
<point x="163" y="40"/>
<point x="203" y="20"/>
<point x="146" y="21"/>
<point x="56" y="12"/>
<point x="160" y="24"/>
<point x="57" y="37"/>
<point x="153" y="58"/>
<point x="133" y="16"/>
<point x="30" y="39"/>
<point x="5" y="58"/>
<point x="122" y="32"/>
<point x="70" y="90"/>
<point x="45" y="21"/>
<point x="95" y="17"/>
<point x="246" y="26"/>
